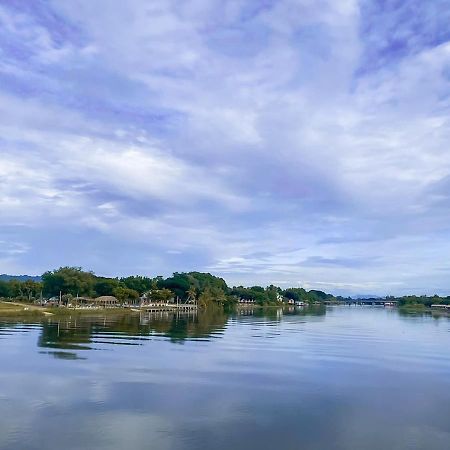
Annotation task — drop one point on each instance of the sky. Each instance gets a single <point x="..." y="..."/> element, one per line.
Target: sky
<point x="294" y="142"/>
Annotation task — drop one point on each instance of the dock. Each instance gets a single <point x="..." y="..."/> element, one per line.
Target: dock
<point x="169" y="308"/>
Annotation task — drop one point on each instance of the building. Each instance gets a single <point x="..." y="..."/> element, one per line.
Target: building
<point x="106" y="301"/>
<point x="300" y="303"/>
<point x="246" y="301"/>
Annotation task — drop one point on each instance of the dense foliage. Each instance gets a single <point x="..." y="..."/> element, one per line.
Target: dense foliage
<point x="68" y="280"/>
<point x="203" y="288"/>
<point x="20" y="290"/>
<point x="413" y="300"/>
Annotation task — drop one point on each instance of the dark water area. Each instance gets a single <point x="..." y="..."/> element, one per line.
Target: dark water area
<point x="336" y="378"/>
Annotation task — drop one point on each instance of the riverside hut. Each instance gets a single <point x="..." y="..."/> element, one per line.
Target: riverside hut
<point x="106" y="301"/>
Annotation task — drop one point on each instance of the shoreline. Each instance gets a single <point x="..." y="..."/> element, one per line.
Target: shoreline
<point x="15" y="309"/>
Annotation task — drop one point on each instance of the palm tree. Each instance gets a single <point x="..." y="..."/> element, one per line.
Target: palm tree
<point x="191" y="295"/>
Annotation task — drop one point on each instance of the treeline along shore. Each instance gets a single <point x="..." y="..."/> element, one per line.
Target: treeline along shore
<point x="77" y="288"/>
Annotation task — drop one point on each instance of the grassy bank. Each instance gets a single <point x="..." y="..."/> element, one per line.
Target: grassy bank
<point x="19" y="309"/>
<point x="414" y="307"/>
<point x="25" y="309"/>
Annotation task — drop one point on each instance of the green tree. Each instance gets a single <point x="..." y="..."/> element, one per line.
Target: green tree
<point x="160" y="295"/>
<point x="4" y="289"/>
<point x="16" y="289"/>
<point x="124" y="294"/>
<point x="105" y="286"/>
<point x="138" y="283"/>
<point x="68" y="280"/>
<point x="205" y="299"/>
<point x="191" y="294"/>
<point x="31" y="289"/>
<point x="178" y="283"/>
<point x="181" y="284"/>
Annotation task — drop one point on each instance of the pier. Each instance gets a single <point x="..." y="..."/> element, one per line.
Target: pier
<point x="185" y="307"/>
<point x="363" y="302"/>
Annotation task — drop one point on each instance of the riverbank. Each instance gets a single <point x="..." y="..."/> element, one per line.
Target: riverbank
<point x="420" y="309"/>
<point x="414" y="308"/>
<point x="31" y="310"/>
<point x="26" y="309"/>
<point x="19" y="309"/>
<point x="15" y="309"/>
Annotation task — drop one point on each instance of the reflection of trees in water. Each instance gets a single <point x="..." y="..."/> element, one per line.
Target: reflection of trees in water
<point x="83" y="333"/>
<point x="313" y="310"/>
<point x="179" y="326"/>
<point x="434" y="313"/>
<point x="62" y="354"/>
<point x="68" y="334"/>
<point x="276" y="314"/>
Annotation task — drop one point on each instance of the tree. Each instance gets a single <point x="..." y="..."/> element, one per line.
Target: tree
<point x="4" y="289"/>
<point x="105" y="286"/>
<point x="138" y="283"/>
<point x="205" y="299"/>
<point x="124" y="294"/>
<point x="31" y="289"/>
<point x="16" y="289"/>
<point x="191" y="294"/>
<point x="160" y="295"/>
<point x="68" y="280"/>
<point x="272" y="293"/>
<point x="182" y="283"/>
<point x="296" y="294"/>
<point x="319" y="296"/>
<point x="178" y="283"/>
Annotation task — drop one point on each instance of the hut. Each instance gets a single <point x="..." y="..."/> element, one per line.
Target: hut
<point x="106" y="301"/>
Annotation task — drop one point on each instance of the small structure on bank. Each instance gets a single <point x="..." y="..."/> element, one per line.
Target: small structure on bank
<point x="106" y="301"/>
<point x="245" y="301"/>
<point x="300" y="303"/>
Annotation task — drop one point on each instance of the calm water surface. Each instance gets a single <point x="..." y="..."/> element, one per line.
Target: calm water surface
<point x="341" y="378"/>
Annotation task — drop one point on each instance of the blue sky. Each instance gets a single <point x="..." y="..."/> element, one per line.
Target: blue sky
<point x="299" y="142"/>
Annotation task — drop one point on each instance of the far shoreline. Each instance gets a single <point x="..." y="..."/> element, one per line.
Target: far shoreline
<point x="28" y="310"/>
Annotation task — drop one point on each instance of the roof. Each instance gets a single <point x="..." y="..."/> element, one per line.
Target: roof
<point x="106" y="299"/>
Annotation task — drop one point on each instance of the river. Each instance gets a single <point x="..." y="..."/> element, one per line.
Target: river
<point x="361" y="378"/>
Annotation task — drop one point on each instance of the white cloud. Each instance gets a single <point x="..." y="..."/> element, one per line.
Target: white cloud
<point x="233" y="129"/>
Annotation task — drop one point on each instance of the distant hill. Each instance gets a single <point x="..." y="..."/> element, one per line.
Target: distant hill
<point x="5" y="277"/>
